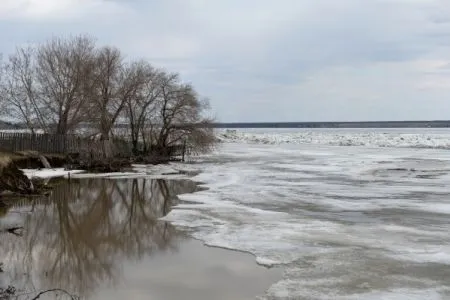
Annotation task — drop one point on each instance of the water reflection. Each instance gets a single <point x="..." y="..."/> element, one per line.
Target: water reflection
<point x="82" y="235"/>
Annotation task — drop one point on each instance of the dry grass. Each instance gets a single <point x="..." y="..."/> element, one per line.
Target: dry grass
<point x="10" y="155"/>
<point x="5" y="160"/>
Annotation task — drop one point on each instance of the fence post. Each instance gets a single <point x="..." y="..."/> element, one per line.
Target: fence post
<point x="184" y="150"/>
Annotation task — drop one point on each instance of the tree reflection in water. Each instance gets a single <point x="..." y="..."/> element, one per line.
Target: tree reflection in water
<point x="87" y="230"/>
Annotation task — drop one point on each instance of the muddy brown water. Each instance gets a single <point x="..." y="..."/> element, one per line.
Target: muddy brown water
<point x="101" y="239"/>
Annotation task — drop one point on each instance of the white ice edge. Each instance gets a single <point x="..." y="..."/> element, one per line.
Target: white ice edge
<point x="184" y="216"/>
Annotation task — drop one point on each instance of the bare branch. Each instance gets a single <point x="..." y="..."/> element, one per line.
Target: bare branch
<point x="53" y="291"/>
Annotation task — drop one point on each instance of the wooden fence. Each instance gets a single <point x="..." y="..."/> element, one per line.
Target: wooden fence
<point x="45" y="143"/>
<point x="58" y="144"/>
<point x="72" y="144"/>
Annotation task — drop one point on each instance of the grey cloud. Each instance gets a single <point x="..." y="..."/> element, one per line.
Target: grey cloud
<point x="245" y="55"/>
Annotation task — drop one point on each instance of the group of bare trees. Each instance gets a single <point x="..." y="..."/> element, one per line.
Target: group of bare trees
<point x="66" y="85"/>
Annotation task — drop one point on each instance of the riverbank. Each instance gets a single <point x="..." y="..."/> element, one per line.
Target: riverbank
<point x="21" y="173"/>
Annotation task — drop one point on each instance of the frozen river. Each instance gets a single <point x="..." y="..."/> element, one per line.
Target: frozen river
<point x="347" y="214"/>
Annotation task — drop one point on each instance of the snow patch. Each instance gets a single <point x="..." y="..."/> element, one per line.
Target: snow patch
<point x="265" y="262"/>
<point x="50" y="173"/>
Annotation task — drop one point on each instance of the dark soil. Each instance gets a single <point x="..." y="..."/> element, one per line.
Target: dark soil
<point x="153" y="159"/>
<point x="12" y="179"/>
<point x="31" y="160"/>
<point x="102" y="166"/>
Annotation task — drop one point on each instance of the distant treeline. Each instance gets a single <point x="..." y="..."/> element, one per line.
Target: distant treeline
<point x="375" y="124"/>
<point x="371" y="124"/>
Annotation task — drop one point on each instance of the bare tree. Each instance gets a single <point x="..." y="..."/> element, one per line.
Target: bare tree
<point x="106" y="103"/>
<point x="181" y="114"/>
<point x="19" y="91"/>
<point x="165" y="113"/>
<point x="137" y="107"/>
<point x="115" y="83"/>
<point x="63" y="65"/>
<point x="2" y="75"/>
<point x="138" y="87"/>
<point x="142" y="108"/>
<point x="45" y="87"/>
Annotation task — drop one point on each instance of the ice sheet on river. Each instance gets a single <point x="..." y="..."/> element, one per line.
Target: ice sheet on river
<point x="417" y="138"/>
<point x="345" y="222"/>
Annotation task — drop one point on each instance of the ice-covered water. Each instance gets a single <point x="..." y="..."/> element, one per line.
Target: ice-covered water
<point x="345" y="222"/>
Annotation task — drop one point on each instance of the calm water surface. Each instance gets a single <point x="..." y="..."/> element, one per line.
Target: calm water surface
<point x="100" y="239"/>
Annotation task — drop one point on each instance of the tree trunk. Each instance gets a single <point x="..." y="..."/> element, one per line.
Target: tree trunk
<point x="107" y="148"/>
<point x="134" y="143"/>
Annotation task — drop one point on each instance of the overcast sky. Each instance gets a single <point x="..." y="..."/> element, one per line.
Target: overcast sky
<point x="266" y="60"/>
